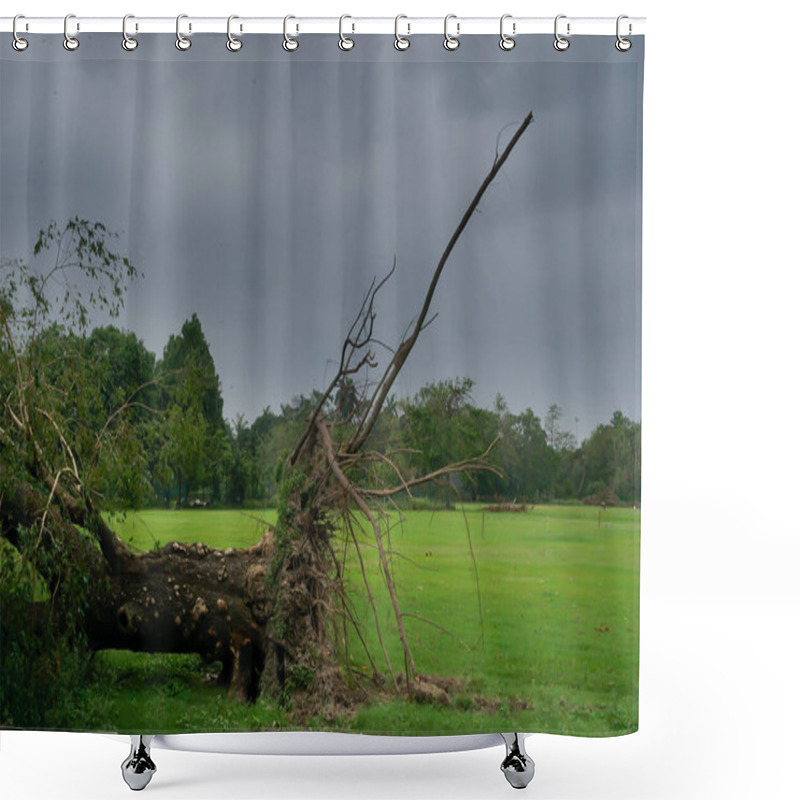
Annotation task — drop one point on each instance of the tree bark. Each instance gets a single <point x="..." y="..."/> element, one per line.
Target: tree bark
<point x="182" y="598"/>
<point x="191" y="598"/>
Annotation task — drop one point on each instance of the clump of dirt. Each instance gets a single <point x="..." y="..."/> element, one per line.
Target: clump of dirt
<point x="325" y="695"/>
<point x="426" y="691"/>
<point x="331" y="699"/>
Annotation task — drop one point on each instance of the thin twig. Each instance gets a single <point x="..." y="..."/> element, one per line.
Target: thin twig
<point x="362" y="505"/>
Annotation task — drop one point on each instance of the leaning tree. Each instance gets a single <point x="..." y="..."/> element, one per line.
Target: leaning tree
<point x="269" y="613"/>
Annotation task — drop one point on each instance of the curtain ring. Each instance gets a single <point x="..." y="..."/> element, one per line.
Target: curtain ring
<point x="233" y="44"/>
<point x="400" y="42"/>
<point x="451" y="42"/>
<point x="622" y="44"/>
<point x="560" y="43"/>
<point x="128" y="42"/>
<point x="181" y="42"/>
<point x="507" y="42"/>
<point x="19" y="44"/>
<point x="70" y="42"/>
<point x="344" y="42"/>
<point x="289" y="44"/>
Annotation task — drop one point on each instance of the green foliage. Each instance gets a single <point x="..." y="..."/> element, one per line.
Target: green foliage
<point x="79" y="248"/>
<point x="43" y="653"/>
<point x="189" y="374"/>
<point x="290" y="492"/>
<point x="128" y="692"/>
<point x="185" y="433"/>
<point x="608" y="463"/>
<point x="54" y="422"/>
<point x="440" y="420"/>
<point x="299" y="677"/>
<point x="440" y="425"/>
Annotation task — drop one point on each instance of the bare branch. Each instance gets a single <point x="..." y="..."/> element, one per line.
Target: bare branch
<point x="365" y="509"/>
<point x="128" y="404"/>
<point x="23" y="415"/>
<point x="403" y="351"/>
<point x="349" y="523"/>
<point x="53" y="491"/>
<point x="63" y="442"/>
<point x="466" y="465"/>
<point x="366" y="317"/>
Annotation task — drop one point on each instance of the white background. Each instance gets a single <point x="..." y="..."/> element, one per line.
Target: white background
<point x="720" y="615"/>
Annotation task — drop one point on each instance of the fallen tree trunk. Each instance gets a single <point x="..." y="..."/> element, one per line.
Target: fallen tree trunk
<point x="190" y="598"/>
<point x="181" y="598"/>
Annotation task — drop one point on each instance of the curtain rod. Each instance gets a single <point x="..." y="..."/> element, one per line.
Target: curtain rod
<point x="407" y="26"/>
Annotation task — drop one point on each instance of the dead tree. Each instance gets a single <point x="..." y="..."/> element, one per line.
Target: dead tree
<point x="266" y="612"/>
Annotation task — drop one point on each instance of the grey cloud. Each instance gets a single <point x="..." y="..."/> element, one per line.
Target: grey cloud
<point x="265" y="192"/>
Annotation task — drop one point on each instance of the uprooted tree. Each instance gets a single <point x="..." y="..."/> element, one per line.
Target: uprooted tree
<point x="268" y="613"/>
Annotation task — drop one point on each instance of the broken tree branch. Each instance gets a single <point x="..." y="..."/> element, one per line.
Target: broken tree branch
<point x="466" y="465"/>
<point x="403" y="351"/>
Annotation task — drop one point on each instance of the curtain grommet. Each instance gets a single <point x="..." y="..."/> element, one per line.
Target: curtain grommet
<point x="181" y="42"/>
<point x="401" y="43"/>
<point x="18" y="43"/>
<point x="128" y="42"/>
<point x="451" y="43"/>
<point x="561" y="43"/>
<point x="71" y="43"/>
<point x="622" y="44"/>
<point x="345" y="42"/>
<point x="290" y="44"/>
<point x="507" y="42"/>
<point x="233" y="44"/>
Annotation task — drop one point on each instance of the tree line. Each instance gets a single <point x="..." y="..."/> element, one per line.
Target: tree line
<point x="173" y="446"/>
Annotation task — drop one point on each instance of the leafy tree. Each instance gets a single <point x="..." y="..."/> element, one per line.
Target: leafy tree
<point x="192" y="399"/>
<point x="558" y="439"/>
<point x="129" y="370"/>
<point x="435" y="422"/>
<point x="186" y="431"/>
<point x="52" y="448"/>
<point x="189" y="371"/>
<point x="442" y="426"/>
<point x="611" y="456"/>
<point x="533" y="473"/>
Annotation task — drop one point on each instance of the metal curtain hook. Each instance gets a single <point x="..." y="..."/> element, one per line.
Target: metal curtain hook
<point x="400" y="42"/>
<point x="128" y="42"/>
<point x="560" y="43"/>
<point x="19" y="44"/>
<point x="344" y="42"/>
<point x="70" y="42"/>
<point x="451" y="42"/>
<point x="181" y="42"/>
<point x="622" y="44"/>
<point x="507" y="42"/>
<point x="289" y="44"/>
<point x="233" y="44"/>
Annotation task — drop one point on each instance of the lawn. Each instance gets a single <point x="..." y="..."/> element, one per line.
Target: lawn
<point x="539" y="611"/>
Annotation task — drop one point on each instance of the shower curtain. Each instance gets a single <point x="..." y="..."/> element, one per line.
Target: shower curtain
<point x="320" y="379"/>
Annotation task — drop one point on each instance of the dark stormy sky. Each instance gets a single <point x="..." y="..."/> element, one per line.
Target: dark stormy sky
<point x="264" y="191"/>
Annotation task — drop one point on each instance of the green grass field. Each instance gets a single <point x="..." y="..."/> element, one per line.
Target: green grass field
<point x="549" y="642"/>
